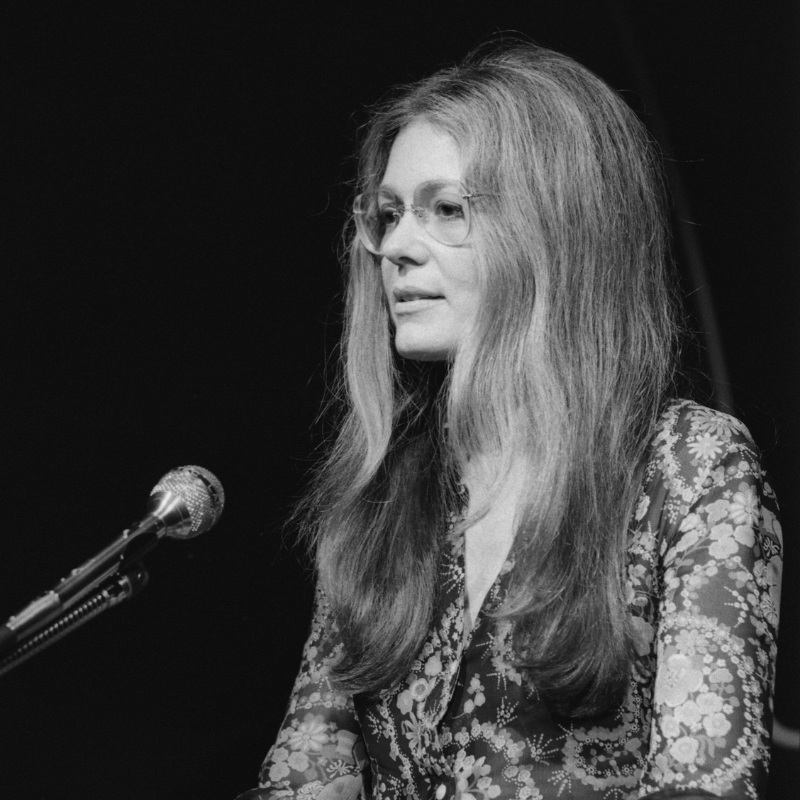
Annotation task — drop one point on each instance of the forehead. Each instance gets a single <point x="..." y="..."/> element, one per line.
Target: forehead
<point x="422" y="152"/>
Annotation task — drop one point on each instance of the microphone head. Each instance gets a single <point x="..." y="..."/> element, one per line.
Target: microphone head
<point x="200" y="492"/>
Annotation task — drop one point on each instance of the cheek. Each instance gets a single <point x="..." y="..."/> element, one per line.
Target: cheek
<point x="467" y="291"/>
<point x="468" y="307"/>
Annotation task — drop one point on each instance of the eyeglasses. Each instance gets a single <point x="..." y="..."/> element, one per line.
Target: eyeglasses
<point x="441" y="207"/>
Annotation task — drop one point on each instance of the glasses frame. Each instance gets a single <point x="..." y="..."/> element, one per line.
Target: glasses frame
<point x="420" y="212"/>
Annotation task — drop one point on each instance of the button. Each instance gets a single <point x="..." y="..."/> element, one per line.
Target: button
<point x="441" y="791"/>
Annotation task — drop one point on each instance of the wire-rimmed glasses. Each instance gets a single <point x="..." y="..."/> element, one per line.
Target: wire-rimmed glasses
<point x="441" y="207"/>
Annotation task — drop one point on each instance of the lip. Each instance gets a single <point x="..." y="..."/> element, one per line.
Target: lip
<point x="409" y="300"/>
<point x="410" y="294"/>
<point x="414" y="306"/>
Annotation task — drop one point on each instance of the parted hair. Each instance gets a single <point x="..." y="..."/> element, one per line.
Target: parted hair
<point x="568" y="365"/>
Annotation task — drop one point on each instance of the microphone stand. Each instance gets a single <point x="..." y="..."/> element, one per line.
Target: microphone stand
<point x="116" y="588"/>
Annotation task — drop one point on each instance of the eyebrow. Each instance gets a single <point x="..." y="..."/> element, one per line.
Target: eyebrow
<point x="388" y="189"/>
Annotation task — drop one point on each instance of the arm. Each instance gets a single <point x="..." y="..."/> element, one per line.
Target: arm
<point x="319" y="752"/>
<point x="718" y="616"/>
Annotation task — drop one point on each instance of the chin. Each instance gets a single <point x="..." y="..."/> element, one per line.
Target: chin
<point x="422" y="351"/>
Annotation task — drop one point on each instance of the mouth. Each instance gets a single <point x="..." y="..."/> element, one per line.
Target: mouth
<point x="414" y="295"/>
<point x="413" y="301"/>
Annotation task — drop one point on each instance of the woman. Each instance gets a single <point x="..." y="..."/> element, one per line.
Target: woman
<point x="539" y="576"/>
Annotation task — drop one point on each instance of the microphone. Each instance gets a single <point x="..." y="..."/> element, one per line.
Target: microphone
<point x="186" y="502"/>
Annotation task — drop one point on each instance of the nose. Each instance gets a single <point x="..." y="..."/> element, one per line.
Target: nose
<point x="405" y="245"/>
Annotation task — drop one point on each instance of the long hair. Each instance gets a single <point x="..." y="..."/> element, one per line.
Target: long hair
<point x="569" y="364"/>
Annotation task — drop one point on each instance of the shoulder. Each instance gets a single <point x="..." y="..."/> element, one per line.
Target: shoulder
<point x="691" y="440"/>
<point x="696" y="455"/>
<point x="701" y="429"/>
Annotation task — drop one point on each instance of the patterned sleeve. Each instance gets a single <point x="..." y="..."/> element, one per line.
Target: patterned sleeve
<point x="718" y="616"/>
<point x="319" y="752"/>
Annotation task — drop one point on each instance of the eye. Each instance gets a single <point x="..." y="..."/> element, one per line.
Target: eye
<point x="387" y="215"/>
<point x="448" y="209"/>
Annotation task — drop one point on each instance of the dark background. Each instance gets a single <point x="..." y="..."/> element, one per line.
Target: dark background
<point x="172" y="295"/>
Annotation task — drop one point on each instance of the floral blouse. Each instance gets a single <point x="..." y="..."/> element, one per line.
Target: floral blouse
<point x="703" y="583"/>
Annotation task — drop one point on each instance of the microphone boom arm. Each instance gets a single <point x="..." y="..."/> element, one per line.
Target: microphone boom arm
<point x="113" y="590"/>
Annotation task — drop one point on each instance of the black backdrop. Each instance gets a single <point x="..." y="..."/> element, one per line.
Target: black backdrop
<point x="178" y="177"/>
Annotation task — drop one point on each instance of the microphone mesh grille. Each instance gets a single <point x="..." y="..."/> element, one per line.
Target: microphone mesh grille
<point x="200" y="490"/>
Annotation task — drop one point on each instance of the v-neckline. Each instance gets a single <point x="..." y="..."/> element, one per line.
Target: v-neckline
<point x="471" y="623"/>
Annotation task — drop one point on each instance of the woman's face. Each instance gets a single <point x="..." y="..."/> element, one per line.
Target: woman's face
<point x="431" y="288"/>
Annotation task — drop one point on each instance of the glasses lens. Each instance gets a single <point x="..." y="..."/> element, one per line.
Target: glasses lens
<point x="446" y="215"/>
